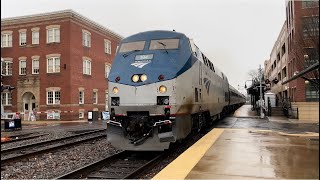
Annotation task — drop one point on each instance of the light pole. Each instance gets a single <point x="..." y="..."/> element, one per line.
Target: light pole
<point x="261" y="109"/>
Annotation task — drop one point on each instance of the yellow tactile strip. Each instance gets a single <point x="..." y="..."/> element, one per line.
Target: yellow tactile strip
<point x="180" y="167"/>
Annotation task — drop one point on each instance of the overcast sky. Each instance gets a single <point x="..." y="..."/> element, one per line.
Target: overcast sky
<point x="237" y="35"/>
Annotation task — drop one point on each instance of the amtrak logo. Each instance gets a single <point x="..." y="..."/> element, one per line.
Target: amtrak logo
<point x="207" y="83"/>
<point x="140" y="64"/>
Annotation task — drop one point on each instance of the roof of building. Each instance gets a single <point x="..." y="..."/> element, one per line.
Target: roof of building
<point x="57" y="15"/>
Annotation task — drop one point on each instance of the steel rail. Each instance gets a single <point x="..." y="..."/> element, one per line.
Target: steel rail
<point x="112" y="167"/>
<point x="48" y="141"/>
<point x="47" y="149"/>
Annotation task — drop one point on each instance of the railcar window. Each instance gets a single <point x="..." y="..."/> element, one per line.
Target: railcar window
<point x="131" y="46"/>
<point x="164" y="44"/>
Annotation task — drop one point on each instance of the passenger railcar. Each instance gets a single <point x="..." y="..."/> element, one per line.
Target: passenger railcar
<point x="161" y="88"/>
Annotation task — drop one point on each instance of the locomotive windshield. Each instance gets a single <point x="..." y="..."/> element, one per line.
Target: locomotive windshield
<point x="164" y="44"/>
<point x="132" y="46"/>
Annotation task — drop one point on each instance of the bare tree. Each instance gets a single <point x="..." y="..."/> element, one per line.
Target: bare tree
<point x="254" y="75"/>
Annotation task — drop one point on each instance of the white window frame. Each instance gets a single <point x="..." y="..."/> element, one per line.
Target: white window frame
<point x="56" y="97"/>
<point x="6" y="40"/>
<point x="107" y="46"/>
<point x="117" y="48"/>
<point x="107" y="70"/>
<point x="35" y="37"/>
<point x="35" y="70"/>
<point x="81" y="115"/>
<point x="23" y="69"/>
<point x="6" y="98"/>
<point x="54" y="33"/>
<point x="86" y="39"/>
<point x="22" y="38"/>
<point x="55" y="65"/>
<point x="95" y="97"/>
<point x="81" y="97"/>
<point x="6" y="68"/>
<point x="86" y="66"/>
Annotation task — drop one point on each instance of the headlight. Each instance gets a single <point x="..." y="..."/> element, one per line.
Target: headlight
<point x="162" y="89"/>
<point x="115" y="90"/>
<point x="135" y="78"/>
<point x="162" y="100"/>
<point x="115" y="101"/>
<point x="143" y="77"/>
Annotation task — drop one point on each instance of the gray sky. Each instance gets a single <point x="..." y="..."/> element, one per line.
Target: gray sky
<point x="237" y="35"/>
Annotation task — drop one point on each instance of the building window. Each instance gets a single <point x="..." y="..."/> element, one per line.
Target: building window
<point x="53" y="97"/>
<point x="311" y="56"/>
<point x="86" y="67"/>
<point x="81" y="97"/>
<point x="22" y="67"/>
<point x="23" y="38"/>
<point x="107" y="71"/>
<point x="312" y="92"/>
<point x="6" y="68"/>
<point x="6" y="40"/>
<point x="53" y="65"/>
<point x="53" y="35"/>
<point x="6" y="98"/>
<point x="310" y="26"/>
<point x="107" y="46"/>
<point x="95" y="97"/>
<point x="310" y="3"/>
<point x="284" y="72"/>
<point x="35" y="66"/>
<point x="81" y="115"/>
<point x="86" y="39"/>
<point x="283" y="49"/>
<point x="35" y="37"/>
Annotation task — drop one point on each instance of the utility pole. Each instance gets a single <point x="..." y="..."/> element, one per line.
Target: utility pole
<point x="261" y="109"/>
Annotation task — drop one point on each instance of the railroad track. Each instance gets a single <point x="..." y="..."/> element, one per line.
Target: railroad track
<point x="123" y="165"/>
<point x="18" y="138"/>
<point x="126" y="164"/>
<point x="16" y="153"/>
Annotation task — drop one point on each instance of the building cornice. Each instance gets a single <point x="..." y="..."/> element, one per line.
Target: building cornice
<point x="58" y="15"/>
<point x="283" y="32"/>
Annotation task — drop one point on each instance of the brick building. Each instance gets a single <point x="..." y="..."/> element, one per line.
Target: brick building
<point x="303" y="47"/>
<point x="58" y="62"/>
<point x="276" y="67"/>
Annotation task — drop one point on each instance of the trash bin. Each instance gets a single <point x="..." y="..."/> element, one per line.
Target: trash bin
<point x="13" y="124"/>
<point x="93" y="115"/>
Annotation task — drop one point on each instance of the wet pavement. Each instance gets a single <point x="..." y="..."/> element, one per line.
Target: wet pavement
<point x="245" y="154"/>
<point x="265" y="124"/>
<point x="244" y="146"/>
<point x="247" y="119"/>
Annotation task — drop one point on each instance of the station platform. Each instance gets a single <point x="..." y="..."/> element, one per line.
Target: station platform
<point x="249" y="153"/>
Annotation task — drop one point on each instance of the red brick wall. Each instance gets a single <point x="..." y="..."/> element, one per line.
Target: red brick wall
<point x="71" y="76"/>
<point x="295" y="55"/>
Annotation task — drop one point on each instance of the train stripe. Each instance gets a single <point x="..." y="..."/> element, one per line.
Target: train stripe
<point x="181" y="166"/>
